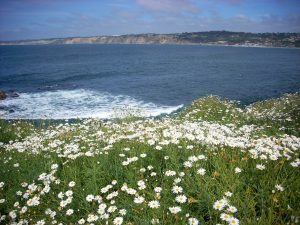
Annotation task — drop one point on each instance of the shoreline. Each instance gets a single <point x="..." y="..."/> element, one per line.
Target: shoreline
<point x="174" y="113"/>
<point x="156" y="44"/>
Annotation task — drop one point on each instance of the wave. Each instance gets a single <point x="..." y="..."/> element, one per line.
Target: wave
<point x="80" y="103"/>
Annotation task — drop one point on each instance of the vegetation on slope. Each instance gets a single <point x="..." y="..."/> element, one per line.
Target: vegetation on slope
<point x="214" y="163"/>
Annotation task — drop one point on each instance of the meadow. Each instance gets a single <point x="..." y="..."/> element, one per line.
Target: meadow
<point x="215" y="162"/>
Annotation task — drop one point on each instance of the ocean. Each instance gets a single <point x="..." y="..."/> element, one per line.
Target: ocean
<point x="104" y="81"/>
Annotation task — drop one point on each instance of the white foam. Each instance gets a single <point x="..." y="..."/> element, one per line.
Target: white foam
<point x="80" y="103"/>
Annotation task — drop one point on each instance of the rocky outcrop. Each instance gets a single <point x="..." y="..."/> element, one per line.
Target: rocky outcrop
<point x="2" y="95"/>
<point x="8" y="94"/>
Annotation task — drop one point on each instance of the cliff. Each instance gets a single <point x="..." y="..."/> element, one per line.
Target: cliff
<point x="211" y="37"/>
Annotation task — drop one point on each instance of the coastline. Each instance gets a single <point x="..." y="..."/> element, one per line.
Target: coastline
<point x="184" y="44"/>
<point x="220" y="38"/>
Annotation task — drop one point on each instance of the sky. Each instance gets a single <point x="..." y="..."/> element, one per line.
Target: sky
<point x="36" y="19"/>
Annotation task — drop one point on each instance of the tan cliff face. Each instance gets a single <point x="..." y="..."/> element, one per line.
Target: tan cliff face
<point x="211" y="37"/>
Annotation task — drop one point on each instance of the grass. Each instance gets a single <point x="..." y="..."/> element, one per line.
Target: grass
<point x="219" y="153"/>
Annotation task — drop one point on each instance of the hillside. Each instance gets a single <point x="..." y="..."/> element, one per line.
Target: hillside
<point x="214" y="163"/>
<point x="205" y="38"/>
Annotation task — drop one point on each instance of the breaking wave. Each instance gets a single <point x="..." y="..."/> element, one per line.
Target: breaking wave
<point x="67" y="104"/>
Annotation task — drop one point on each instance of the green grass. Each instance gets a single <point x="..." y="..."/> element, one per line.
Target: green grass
<point x="214" y="134"/>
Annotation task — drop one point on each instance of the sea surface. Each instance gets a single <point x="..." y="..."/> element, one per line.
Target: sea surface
<point x="104" y="81"/>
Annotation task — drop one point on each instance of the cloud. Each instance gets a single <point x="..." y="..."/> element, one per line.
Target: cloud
<point x="168" y="5"/>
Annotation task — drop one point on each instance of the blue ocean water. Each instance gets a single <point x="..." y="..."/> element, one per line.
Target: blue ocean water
<point x="69" y="81"/>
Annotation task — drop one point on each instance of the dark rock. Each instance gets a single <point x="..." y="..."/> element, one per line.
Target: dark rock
<point x="2" y="95"/>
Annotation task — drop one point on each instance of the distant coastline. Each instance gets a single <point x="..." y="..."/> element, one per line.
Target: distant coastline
<point x="220" y="38"/>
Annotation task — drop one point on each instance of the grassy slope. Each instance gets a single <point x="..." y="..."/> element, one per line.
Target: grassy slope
<point x="254" y="193"/>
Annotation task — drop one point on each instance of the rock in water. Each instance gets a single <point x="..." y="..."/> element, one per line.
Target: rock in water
<point x="2" y="95"/>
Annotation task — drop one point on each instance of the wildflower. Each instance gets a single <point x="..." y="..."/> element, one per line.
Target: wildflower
<point x="228" y="194"/>
<point x="69" y="193"/>
<point x="123" y="212"/>
<point x="112" y="208"/>
<point x="114" y="182"/>
<point x="260" y="167"/>
<point x="150" y="167"/>
<point x="158" y="189"/>
<point x="69" y="212"/>
<point x="98" y="198"/>
<point x="170" y="173"/>
<point x="16" y="204"/>
<point x="69" y="200"/>
<point x="189" y="147"/>
<point x="23" y="184"/>
<point x="40" y="222"/>
<point x="181" y="174"/>
<point x="60" y="195"/>
<point x="273" y="157"/>
<point x="232" y="209"/>
<point x="141" y="183"/>
<point x="175" y="210"/>
<point x="176" y="189"/>
<point x="225" y="217"/>
<point x="233" y="221"/>
<point x="193" y="221"/>
<point x="81" y="221"/>
<point x="188" y="164"/>
<point x="102" y="206"/>
<point x="237" y="170"/>
<point x="89" y="198"/>
<point x="131" y="191"/>
<point x="118" y="220"/>
<point x="219" y="205"/>
<point x="279" y="187"/>
<point x="2" y="218"/>
<point x="153" y="174"/>
<point x="54" y="166"/>
<point x="181" y="198"/>
<point x="201" y="157"/>
<point x="104" y="216"/>
<point x="158" y="147"/>
<point x="72" y="184"/>
<point x="142" y="170"/>
<point x="155" y="221"/>
<point x="177" y="180"/>
<point x="12" y="214"/>
<point x="201" y="171"/>
<point x="23" y="209"/>
<point x="100" y="211"/>
<point x="92" y="218"/>
<point x="139" y="200"/>
<point x="154" y="204"/>
<point x="151" y="142"/>
<point x="63" y="204"/>
<point x="2" y="200"/>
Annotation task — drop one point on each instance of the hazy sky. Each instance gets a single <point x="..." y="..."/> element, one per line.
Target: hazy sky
<point x="32" y="19"/>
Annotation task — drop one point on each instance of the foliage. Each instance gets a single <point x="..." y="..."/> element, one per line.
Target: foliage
<point x="215" y="163"/>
